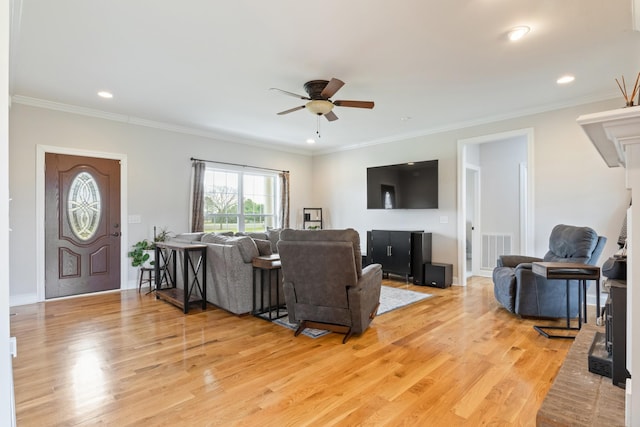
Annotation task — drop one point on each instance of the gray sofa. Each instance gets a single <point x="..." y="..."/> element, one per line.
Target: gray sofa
<point x="522" y="292"/>
<point x="229" y="266"/>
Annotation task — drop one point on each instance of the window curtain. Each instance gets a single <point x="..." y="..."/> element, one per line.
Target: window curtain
<point x="284" y="199"/>
<point x="197" y="197"/>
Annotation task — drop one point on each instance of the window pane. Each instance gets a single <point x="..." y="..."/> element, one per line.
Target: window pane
<point x="84" y="206"/>
<point x="221" y="201"/>
<point x="258" y="201"/>
<point x="230" y="206"/>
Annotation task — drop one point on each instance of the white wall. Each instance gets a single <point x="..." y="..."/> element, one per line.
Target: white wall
<point x="500" y="187"/>
<point x="339" y="186"/>
<point x="159" y="169"/>
<point x="572" y="183"/>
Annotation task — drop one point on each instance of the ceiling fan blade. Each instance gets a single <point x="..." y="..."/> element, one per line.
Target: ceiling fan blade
<point x="331" y="116"/>
<point x="331" y="88"/>
<point x="291" y="110"/>
<point x="356" y="104"/>
<point x="295" y="95"/>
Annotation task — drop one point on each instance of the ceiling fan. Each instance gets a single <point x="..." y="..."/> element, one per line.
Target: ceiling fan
<point x="319" y="94"/>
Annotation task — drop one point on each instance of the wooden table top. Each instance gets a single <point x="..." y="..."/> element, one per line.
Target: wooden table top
<point x="566" y="270"/>
<point x="267" y="261"/>
<point x="180" y="245"/>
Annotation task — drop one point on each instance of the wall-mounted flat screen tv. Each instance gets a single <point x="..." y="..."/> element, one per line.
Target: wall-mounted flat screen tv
<point x="412" y="185"/>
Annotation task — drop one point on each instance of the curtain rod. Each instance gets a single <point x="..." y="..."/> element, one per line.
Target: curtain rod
<point x="237" y="164"/>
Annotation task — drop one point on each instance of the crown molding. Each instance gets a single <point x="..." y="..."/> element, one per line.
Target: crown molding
<point x="233" y="138"/>
<point x="477" y="122"/>
<point x="265" y="143"/>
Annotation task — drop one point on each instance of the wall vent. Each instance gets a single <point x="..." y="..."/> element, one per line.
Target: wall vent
<point x="494" y="245"/>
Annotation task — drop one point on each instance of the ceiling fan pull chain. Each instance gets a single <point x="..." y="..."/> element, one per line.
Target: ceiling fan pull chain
<point x="318" y="126"/>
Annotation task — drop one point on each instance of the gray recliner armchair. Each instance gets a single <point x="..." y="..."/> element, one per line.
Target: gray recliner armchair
<point x="527" y="294"/>
<point x="325" y="285"/>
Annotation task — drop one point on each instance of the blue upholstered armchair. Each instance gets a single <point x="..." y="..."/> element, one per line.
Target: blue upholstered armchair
<point x="524" y="293"/>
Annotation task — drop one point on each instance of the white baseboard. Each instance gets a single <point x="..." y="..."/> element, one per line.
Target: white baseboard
<point x="22" y="299"/>
<point x="485" y="273"/>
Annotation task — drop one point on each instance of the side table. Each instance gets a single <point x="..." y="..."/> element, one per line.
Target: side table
<point x="569" y="271"/>
<point x="265" y="266"/>
<point x="194" y="273"/>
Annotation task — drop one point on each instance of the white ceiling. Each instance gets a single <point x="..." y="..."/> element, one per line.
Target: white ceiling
<point x="208" y="65"/>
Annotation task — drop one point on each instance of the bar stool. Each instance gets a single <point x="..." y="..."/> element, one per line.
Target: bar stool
<point x="149" y="271"/>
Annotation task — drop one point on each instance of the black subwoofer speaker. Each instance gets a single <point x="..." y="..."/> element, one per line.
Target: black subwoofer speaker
<point x="420" y="254"/>
<point x="438" y="275"/>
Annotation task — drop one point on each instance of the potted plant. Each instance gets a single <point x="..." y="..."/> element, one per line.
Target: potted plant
<point x="142" y="254"/>
<point x="162" y="236"/>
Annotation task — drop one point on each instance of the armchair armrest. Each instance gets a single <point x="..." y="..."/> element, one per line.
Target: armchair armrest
<point x="364" y="297"/>
<point x="513" y="260"/>
<point x="525" y="266"/>
<point x="371" y="276"/>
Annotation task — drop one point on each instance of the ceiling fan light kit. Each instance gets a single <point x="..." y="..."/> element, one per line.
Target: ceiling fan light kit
<point x="518" y="32"/>
<point x="319" y="97"/>
<point x="319" y="107"/>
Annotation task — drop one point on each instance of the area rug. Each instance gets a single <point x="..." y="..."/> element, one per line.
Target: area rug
<point x="390" y="299"/>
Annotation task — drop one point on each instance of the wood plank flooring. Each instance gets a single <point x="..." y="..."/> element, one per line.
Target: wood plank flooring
<point x="127" y="359"/>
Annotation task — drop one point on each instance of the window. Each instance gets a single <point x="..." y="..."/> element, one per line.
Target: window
<point x="239" y="201"/>
<point x="84" y="206"/>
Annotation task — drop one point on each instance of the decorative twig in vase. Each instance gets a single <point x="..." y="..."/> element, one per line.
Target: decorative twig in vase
<point x="623" y="88"/>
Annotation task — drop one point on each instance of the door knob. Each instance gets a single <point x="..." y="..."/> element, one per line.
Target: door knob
<point x="116" y="234"/>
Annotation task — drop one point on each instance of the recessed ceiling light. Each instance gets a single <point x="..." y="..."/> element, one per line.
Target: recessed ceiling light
<point x="565" y="79"/>
<point x="518" y="32"/>
<point x="105" y="94"/>
<point x="311" y="141"/>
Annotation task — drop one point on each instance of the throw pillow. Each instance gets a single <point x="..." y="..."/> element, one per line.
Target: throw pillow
<point x="273" y="235"/>
<point x="188" y="237"/>
<point x="248" y="248"/>
<point x="264" y="246"/>
<point x="208" y="238"/>
<point x="261" y="236"/>
<point x="246" y="245"/>
<point x="211" y="237"/>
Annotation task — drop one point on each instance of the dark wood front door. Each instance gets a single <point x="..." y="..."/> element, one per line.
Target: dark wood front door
<point x="82" y="225"/>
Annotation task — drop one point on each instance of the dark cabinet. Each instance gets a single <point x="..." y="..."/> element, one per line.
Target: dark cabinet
<point x="400" y="252"/>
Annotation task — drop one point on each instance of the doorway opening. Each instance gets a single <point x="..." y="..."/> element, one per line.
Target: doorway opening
<point x="495" y="213"/>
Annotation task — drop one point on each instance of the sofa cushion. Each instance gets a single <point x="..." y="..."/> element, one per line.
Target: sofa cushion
<point x="576" y="243"/>
<point x="188" y="237"/>
<point x="261" y="236"/>
<point x="246" y="245"/>
<point x="210" y="237"/>
<point x="273" y="235"/>
<point x="264" y="246"/>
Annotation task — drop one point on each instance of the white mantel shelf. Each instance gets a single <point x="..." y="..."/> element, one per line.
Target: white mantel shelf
<point x="610" y="131"/>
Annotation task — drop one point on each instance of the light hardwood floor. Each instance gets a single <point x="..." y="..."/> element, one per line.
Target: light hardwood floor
<point x="128" y="359"/>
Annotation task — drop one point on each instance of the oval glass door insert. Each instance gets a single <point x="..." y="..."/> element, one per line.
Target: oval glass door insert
<point x="84" y="206"/>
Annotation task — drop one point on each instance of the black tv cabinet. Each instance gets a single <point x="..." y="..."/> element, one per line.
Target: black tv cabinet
<point x="400" y="252"/>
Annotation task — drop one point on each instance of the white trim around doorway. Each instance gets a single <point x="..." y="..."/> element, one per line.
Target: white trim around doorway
<point x="40" y="203"/>
<point x="528" y="219"/>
